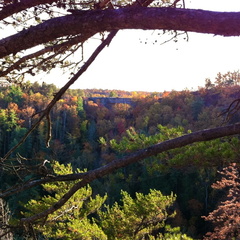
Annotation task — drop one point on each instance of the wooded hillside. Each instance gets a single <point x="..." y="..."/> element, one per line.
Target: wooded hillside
<point x="91" y="128"/>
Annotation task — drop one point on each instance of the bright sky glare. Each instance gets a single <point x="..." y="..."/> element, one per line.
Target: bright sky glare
<point x="133" y="63"/>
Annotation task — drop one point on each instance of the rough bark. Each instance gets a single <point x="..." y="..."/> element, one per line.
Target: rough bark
<point x="87" y="22"/>
<point x="5" y="233"/>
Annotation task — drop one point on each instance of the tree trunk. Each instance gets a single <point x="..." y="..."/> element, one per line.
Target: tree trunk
<point x="4" y="218"/>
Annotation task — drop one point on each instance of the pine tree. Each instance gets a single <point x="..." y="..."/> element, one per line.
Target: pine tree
<point x="72" y="221"/>
<point x="137" y="218"/>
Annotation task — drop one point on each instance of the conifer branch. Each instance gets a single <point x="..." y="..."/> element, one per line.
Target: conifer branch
<point x="88" y="177"/>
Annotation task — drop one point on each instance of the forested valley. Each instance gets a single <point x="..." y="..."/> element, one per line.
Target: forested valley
<point x="161" y="197"/>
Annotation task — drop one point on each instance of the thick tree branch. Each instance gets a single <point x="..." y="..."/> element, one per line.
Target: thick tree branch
<point x="200" y="136"/>
<point x="86" y="178"/>
<point x="87" y="22"/>
<point x="57" y="49"/>
<point x="13" y="8"/>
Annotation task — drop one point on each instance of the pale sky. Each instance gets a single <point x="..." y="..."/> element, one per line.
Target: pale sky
<point x="130" y="64"/>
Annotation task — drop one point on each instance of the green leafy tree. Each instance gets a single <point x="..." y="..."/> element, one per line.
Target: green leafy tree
<point x="137" y="218"/>
<point x="142" y="217"/>
<point x="80" y="107"/>
<point x="15" y="94"/>
<point x="8" y="122"/>
<point x="71" y="221"/>
<point x="198" y="154"/>
<point x="113" y="94"/>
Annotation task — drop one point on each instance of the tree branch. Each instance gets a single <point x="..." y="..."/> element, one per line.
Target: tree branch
<point x="13" y="8"/>
<point x="86" y="178"/>
<point x="200" y="136"/>
<point x="86" y="22"/>
<point x="58" y="49"/>
<point x="60" y="93"/>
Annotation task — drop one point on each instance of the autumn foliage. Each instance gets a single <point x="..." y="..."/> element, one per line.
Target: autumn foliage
<point x="93" y="128"/>
<point x="226" y="218"/>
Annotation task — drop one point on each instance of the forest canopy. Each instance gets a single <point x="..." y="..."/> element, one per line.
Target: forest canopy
<point x="41" y="126"/>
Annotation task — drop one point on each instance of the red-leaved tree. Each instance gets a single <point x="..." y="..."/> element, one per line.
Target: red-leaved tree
<point x="226" y="218"/>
